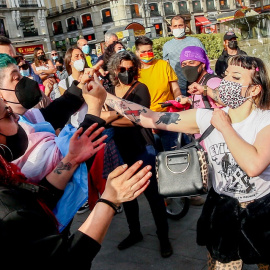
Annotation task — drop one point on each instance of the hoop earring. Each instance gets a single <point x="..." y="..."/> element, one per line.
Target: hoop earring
<point x="7" y="155"/>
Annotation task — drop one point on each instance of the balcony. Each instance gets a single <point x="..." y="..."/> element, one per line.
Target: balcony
<point x="67" y="7"/>
<point x="154" y="13"/>
<point x="197" y="8"/>
<point x="224" y="7"/>
<point x="28" y="3"/>
<point x="183" y="9"/>
<point x="82" y="4"/>
<point x="53" y="11"/>
<point x="3" y="4"/>
<point x="31" y="33"/>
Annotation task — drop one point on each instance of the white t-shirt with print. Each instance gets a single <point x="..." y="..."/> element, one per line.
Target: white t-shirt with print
<point x="78" y="117"/>
<point x="227" y="177"/>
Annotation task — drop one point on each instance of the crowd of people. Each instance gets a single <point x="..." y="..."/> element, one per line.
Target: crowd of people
<point x="60" y="117"/>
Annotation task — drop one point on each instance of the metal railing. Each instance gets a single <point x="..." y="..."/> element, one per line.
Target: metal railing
<point x="67" y="7"/>
<point x="82" y="3"/>
<point x="28" y="3"/>
<point x="53" y="11"/>
<point x="32" y="33"/>
<point x="3" y="3"/>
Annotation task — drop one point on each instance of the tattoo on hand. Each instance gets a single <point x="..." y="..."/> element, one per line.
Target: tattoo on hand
<point x="62" y="167"/>
<point x="215" y="95"/>
<point x="168" y="118"/>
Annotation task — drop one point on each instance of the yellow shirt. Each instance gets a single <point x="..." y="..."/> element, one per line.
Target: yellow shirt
<point x="157" y="78"/>
<point x="88" y="60"/>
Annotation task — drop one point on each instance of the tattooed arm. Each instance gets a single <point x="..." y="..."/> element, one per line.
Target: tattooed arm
<point x="197" y="89"/>
<point x="178" y="122"/>
<point x="81" y="148"/>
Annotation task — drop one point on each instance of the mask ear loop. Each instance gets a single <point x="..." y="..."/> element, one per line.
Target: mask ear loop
<point x="2" y="148"/>
<point x="250" y="97"/>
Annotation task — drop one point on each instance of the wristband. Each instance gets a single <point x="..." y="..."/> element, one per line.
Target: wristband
<point x="205" y="90"/>
<point x="117" y="209"/>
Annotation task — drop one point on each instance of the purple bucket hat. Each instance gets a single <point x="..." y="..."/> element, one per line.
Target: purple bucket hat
<point x="197" y="54"/>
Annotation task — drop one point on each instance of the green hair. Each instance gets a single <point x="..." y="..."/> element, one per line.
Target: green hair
<point x="6" y="60"/>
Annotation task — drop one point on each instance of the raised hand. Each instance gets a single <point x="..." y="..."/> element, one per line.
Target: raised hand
<point x="124" y="185"/>
<point x="83" y="146"/>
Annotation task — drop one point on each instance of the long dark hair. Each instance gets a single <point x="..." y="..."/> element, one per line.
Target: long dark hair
<point x="115" y="61"/>
<point x="68" y="56"/>
<point x="36" y="61"/>
<point x="109" y="52"/>
<point x="259" y="77"/>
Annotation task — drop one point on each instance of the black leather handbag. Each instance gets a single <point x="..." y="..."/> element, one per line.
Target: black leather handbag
<point x="184" y="172"/>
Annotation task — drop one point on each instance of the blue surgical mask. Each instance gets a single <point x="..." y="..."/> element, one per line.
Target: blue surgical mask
<point x="122" y="50"/>
<point x="55" y="57"/>
<point x="25" y="73"/>
<point x="86" y="49"/>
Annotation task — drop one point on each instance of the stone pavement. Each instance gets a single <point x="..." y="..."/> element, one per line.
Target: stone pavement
<point x="145" y="255"/>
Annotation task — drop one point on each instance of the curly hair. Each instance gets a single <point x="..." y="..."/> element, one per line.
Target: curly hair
<point x="259" y="77"/>
<point x="115" y="61"/>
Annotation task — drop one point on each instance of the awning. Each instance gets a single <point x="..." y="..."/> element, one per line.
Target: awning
<point x="231" y="15"/>
<point x="200" y="21"/>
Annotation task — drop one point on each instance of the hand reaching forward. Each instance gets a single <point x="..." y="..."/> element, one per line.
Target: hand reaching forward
<point x="124" y="185"/>
<point x="195" y="89"/>
<point x="83" y="146"/>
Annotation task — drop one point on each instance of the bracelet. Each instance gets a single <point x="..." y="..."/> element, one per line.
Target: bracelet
<point x="117" y="209"/>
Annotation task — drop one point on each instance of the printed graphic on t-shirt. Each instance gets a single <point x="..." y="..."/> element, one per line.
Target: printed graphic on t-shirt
<point x="234" y="179"/>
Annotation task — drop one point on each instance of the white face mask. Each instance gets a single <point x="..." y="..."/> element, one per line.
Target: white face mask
<point x="79" y="64"/>
<point x="179" y="32"/>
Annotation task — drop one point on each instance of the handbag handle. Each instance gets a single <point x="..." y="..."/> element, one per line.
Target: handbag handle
<point x="197" y="141"/>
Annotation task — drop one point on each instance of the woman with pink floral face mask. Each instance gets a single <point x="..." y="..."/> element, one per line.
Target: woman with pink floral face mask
<point x="234" y="224"/>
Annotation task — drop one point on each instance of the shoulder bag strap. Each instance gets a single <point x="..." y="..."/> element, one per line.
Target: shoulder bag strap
<point x="130" y="90"/>
<point x="67" y="82"/>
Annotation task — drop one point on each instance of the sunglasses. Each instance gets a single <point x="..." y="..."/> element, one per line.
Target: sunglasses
<point x="9" y="112"/>
<point x="54" y="54"/>
<point x="123" y="69"/>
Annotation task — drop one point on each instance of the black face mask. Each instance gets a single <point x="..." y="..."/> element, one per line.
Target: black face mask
<point x="191" y="73"/>
<point x="41" y="57"/>
<point x="126" y="77"/>
<point x="27" y="92"/>
<point x="232" y="44"/>
<point x="59" y="68"/>
<point x="16" y="145"/>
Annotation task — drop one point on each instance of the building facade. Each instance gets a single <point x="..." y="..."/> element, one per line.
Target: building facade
<point x="69" y="20"/>
<point x="24" y="23"/>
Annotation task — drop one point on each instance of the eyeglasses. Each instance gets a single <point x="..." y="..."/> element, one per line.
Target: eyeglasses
<point x="123" y="69"/>
<point x="9" y="112"/>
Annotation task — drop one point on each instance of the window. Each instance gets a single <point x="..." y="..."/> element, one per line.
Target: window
<point x="256" y="3"/>
<point x="73" y="41"/>
<point x="3" y="32"/>
<point x="183" y="8"/>
<point x="224" y="4"/>
<point x="107" y="15"/>
<point x="28" y="27"/>
<point x="61" y="45"/>
<point x="90" y="37"/>
<point x="71" y="24"/>
<point x="153" y="7"/>
<point x="135" y="11"/>
<point x="87" y="20"/>
<point x="210" y="5"/>
<point x="197" y="6"/>
<point x="168" y="8"/>
<point x="158" y="27"/>
<point x="57" y="28"/>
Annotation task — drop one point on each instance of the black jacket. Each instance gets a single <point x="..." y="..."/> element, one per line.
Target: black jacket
<point x="29" y="239"/>
<point x="222" y="62"/>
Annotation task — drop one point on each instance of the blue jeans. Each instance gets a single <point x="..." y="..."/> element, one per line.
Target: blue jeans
<point x="165" y="140"/>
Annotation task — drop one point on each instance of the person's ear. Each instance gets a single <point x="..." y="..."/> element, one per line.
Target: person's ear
<point x="255" y="90"/>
